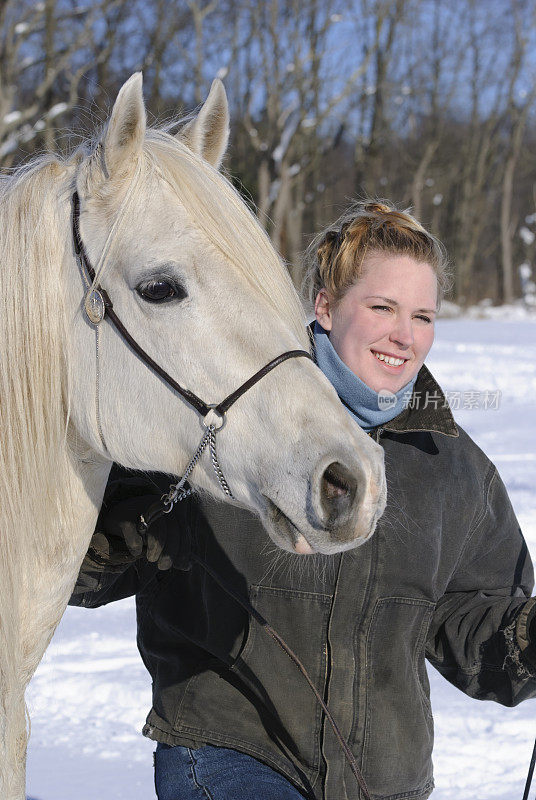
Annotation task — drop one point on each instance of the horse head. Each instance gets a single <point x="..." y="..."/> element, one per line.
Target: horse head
<point x="195" y="279"/>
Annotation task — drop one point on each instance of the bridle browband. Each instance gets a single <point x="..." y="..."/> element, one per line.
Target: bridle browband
<point x="98" y="306"/>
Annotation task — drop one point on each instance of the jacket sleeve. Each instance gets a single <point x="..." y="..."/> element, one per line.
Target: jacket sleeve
<point x="472" y="638"/>
<point x="109" y="571"/>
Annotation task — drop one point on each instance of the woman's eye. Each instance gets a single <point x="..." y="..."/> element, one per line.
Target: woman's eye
<point x="381" y="308"/>
<point x="161" y="290"/>
<point x="424" y="319"/>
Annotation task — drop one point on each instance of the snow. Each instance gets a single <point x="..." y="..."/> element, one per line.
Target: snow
<point x="56" y="110"/>
<point x="8" y="146"/>
<point x="90" y="695"/>
<point x="518" y="310"/>
<point x="526" y="235"/>
<point x="286" y="137"/>
<point x="12" y="117"/>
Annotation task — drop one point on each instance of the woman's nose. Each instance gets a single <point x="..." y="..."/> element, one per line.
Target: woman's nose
<point x="402" y="332"/>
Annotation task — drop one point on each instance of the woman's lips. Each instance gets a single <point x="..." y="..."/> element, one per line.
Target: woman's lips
<point x="392" y="368"/>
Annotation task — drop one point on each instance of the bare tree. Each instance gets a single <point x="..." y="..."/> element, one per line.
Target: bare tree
<point x="46" y="48"/>
<point x="297" y="74"/>
<point x="517" y="119"/>
<point x="426" y="102"/>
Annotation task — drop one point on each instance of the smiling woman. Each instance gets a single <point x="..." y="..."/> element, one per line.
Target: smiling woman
<point x="383" y="339"/>
<point x="377" y="278"/>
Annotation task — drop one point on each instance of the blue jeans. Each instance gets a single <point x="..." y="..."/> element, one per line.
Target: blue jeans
<point x="216" y="773"/>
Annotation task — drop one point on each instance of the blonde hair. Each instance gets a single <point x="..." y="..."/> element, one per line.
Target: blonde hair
<point x="337" y="255"/>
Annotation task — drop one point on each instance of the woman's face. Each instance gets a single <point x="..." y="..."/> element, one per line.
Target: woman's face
<point x="387" y="315"/>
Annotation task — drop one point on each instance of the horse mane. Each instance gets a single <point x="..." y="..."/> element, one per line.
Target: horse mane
<point x="34" y="474"/>
<point x="33" y="387"/>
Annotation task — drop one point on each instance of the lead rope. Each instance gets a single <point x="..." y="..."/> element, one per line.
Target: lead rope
<point x="531" y="773"/>
<point x="180" y="491"/>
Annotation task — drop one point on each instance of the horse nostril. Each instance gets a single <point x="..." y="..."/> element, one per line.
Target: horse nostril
<point x="333" y="485"/>
<point x="337" y="491"/>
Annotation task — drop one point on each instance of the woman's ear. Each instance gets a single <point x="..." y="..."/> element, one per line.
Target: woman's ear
<point x="323" y="306"/>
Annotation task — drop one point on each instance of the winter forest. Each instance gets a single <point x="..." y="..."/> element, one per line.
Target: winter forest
<point x="426" y="102"/>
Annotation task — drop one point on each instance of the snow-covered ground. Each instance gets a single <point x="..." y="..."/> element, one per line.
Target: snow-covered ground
<point x="89" y="697"/>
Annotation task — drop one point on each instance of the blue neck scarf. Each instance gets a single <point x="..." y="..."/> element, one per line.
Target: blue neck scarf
<point x="369" y="408"/>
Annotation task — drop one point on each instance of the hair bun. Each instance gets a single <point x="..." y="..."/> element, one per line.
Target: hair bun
<point x="378" y="208"/>
<point x="337" y="255"/>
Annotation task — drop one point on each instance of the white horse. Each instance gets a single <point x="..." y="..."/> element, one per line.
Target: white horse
<point x="195" y="279"/>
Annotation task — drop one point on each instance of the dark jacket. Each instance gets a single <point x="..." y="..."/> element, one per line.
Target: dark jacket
<point x="445" y="577"/>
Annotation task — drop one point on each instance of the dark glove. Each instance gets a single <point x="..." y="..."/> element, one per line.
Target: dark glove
<point x="117" y="541"/>
<point x="526" y="632"/>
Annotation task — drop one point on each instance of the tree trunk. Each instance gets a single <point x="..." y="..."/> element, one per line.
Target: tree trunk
<point x="419" y="176"/>
<point x="506" y="231"/>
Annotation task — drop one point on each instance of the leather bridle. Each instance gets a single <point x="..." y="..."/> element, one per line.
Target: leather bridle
<point x="98" y="306"/>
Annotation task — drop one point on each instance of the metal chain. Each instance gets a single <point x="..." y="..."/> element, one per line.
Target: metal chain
<point x="215" y="463"/>
<point x="97" y="388"/>
<point x="177" y="491"/>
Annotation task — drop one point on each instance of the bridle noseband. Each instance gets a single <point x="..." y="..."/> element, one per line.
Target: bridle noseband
<point x="98" y="306"/>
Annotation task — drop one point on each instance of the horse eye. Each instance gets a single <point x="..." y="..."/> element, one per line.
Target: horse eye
<point x="161" y="290"/>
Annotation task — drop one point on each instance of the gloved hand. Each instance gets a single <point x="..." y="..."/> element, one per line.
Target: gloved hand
<point x="117" y="542"/>
<point x="526" y="632"/>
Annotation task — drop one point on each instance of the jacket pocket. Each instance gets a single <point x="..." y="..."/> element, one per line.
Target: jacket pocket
<point x="398" y="720"/>
<point x="290" y="713"/>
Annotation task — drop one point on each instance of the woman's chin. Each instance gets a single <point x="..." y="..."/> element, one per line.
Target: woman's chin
<point x="391" y="382"/>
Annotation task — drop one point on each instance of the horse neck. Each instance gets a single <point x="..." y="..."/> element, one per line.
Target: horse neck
<point x="51" y="571"/>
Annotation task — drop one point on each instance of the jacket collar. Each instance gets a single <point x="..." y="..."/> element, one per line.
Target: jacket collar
<point x="428" y="409"/>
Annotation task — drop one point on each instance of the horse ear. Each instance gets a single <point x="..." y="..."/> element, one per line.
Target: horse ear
<point x="124" y="134"/>
<point x="208" y="133"/>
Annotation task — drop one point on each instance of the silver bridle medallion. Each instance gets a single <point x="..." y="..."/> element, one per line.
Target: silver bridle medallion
<point x="94" y="307"/>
